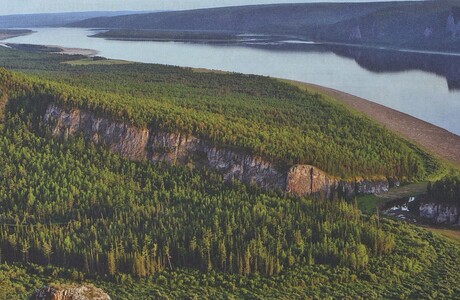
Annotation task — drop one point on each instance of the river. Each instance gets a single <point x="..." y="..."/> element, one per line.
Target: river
<point x="426" y="86"/>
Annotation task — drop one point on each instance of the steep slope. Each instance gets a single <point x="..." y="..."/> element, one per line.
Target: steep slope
<point x="90" y="207"/>
<point x="259" y="116"/>
<point x="314" y="136"/>
<point x="54" y="19"/>
<point x="441" y="205"/>
<point x="271" y="19"/>
<point x="412" y="24"/>
<point x="73" y="211"/>
<point x="420" y="25"/>
<point x="178" y="148"/>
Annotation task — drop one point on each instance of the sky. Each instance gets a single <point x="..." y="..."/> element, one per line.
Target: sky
<point x="41" y="6"/>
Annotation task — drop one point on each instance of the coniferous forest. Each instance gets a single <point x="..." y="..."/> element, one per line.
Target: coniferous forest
<point x="71" y="211"/>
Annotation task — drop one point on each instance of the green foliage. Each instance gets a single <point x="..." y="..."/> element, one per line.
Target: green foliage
<point x="445" y="190"/>
<point x="79" y="206"/>
<point x="138" y="229"/>
<point x="422" y="266"/>
<point x="72" y="211"/>
<point x="161" y="35"/>
<point x="260" y="115"/>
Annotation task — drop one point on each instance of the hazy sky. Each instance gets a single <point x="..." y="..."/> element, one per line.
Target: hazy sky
<point x="34" y="6"/>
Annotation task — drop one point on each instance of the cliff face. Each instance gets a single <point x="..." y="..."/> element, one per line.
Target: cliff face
<point x="176" y="148"/>
<point x="440" y="213"/>
<point x="70" y="293"/>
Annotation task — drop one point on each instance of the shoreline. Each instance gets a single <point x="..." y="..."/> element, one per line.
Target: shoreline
<point x="12" y="33"/>
<point x="374" y="47"/>
<point x="49" y="49"/>
<point x="281" y="41"/>
<point x="76" y="51"/>
<point x="436" y="140"/>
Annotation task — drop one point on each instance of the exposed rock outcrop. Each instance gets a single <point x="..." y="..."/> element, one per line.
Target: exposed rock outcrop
<point x="440" y="213"/>
<point x="84" y="292"/>
<point x="140" y="143"/>
<point x="306" y="179"/>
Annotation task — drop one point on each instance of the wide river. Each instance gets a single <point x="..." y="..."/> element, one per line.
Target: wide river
<point x="426" y="86"/>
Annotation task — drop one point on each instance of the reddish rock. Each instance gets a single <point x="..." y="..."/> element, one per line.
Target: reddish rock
<point x="141" y="143"/>
<point x="83" y="292"/>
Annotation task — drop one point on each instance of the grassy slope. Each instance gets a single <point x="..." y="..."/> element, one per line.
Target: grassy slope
<point x="449" y="233"/>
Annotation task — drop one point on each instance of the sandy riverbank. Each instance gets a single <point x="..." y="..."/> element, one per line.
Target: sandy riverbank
<point x="438" y="141"/>
<point x="77" y="51"/>
<point x="50" y="49"/>
<point x="11" y="33"/>
<point x="4" y="36"/>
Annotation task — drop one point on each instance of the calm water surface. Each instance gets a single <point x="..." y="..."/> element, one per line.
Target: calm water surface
<point x="423" y="85"/>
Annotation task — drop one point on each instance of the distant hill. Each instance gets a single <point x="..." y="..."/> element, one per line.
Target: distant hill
<point x="419" y="25"/>
<point x="54" y="19"/>
<point x="281" y="18"/>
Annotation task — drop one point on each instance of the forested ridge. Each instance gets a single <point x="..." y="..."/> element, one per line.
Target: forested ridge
<point x="73" y="211"/>
<point x="386" y="23"/>
<point x="256" y="114"/>
<point x="80" y="206"/>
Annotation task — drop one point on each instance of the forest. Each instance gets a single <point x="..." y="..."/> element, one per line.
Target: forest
<point x="445" y="190"/>
<point x="71" y="211"/>
<point x="417" y="25"/>
<point x="260" y="115"/>
<point x="76" y="212"/>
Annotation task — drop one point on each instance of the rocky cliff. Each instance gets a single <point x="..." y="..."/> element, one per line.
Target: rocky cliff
<point x="176" y="148"/>
<point x="440" y="213"/>
<point x="84" y="292"/>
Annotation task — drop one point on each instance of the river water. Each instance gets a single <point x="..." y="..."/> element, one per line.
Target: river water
<point x="426" y="86"/>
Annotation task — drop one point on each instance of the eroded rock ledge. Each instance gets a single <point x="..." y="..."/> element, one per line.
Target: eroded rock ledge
<point x="141" y="143"/>
<point x="439" y="213"/>
<point x="83" y="292"/>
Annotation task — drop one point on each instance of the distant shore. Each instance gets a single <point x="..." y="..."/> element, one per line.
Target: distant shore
<point x="209" y="37"/>
<point x="11" y="33"/>
<point x="78" y="51"/>
<point x="51" y="49"/>
<point x="436" y="140"/>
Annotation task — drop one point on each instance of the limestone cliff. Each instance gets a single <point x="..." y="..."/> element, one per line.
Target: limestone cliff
<point x="141" y="143"/>
<point x="84" y="292"/>
<point x="440" y="213"/>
